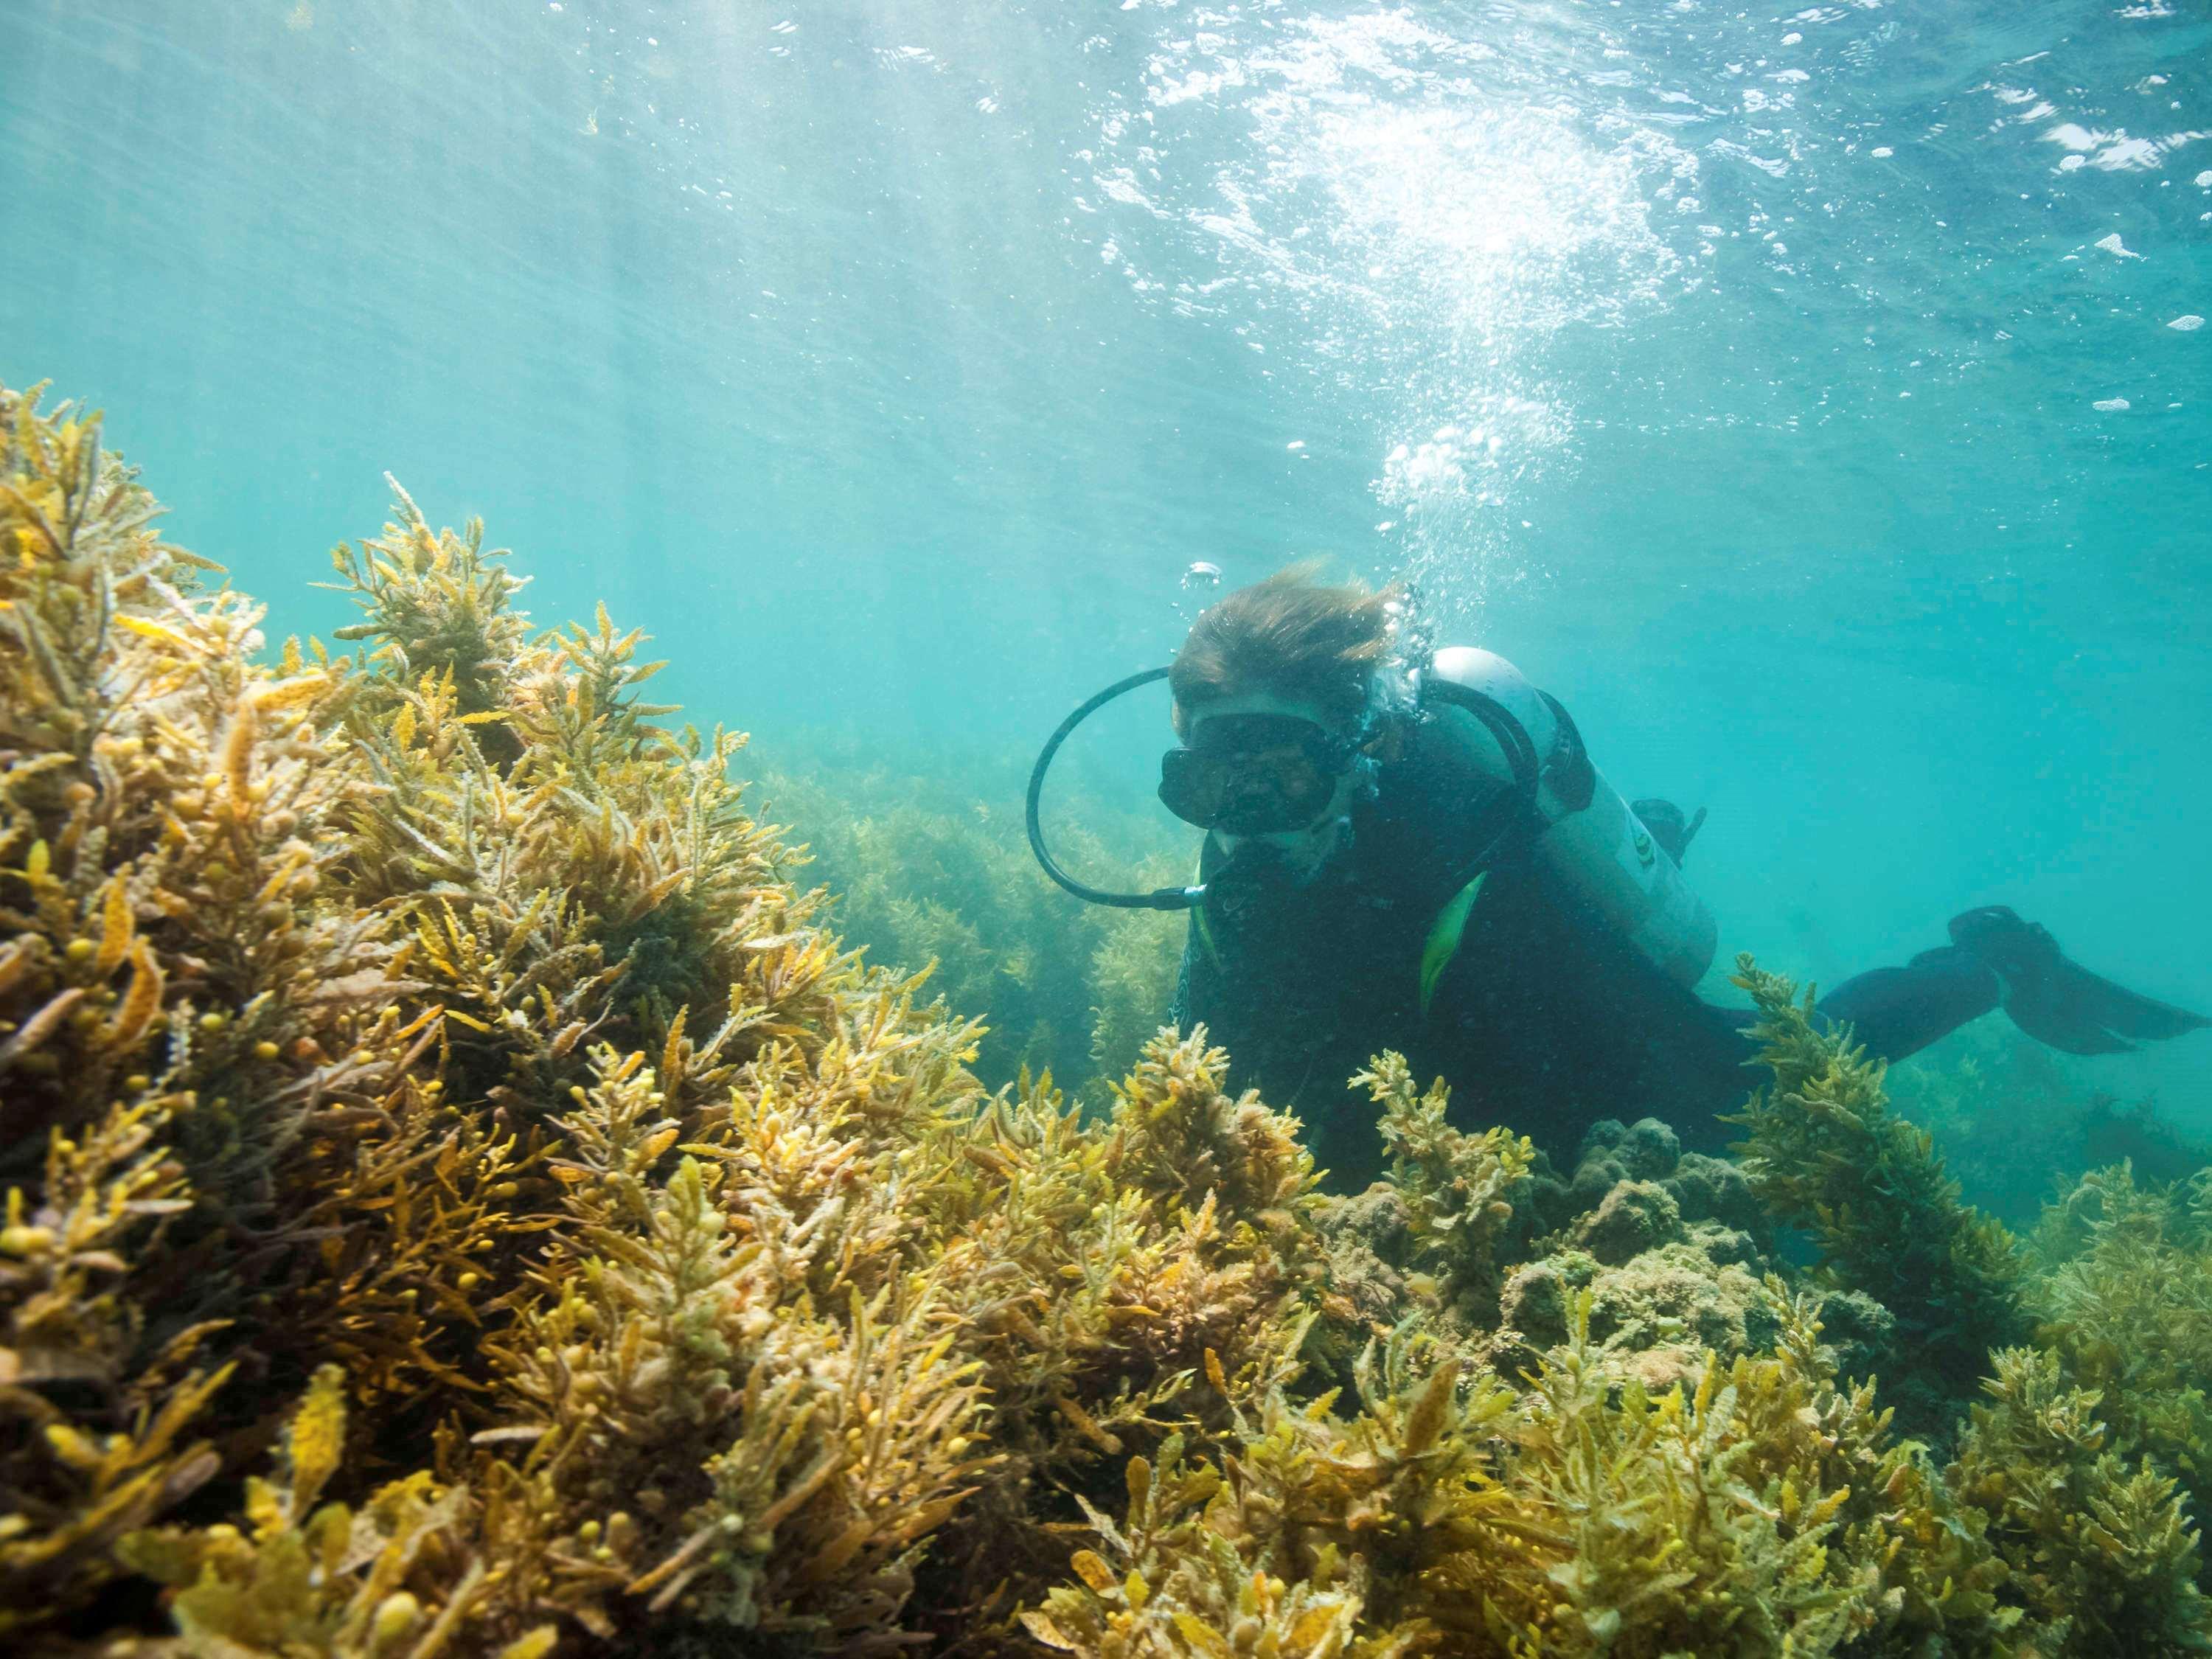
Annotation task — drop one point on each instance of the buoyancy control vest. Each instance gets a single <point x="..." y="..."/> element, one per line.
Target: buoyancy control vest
<point x="1461" y="948"/>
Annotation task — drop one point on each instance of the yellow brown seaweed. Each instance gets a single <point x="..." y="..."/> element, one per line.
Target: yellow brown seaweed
<point x="461" y="1198"/>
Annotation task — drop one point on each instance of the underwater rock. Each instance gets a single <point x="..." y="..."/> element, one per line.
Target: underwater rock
<point x="1704" y="1188"/>
<point x="1650" y="1150"/>
<point x="1553" y="1202"/>
<point x="1600" y="1137"/>
<point x="1713" y="1189"/>
<point x="1657" y="1310"/>
<point x="1538" y="1299"/>
<point x="1595" y="1176"/>
<point x="1366" y="1232"/>
<point x="1859" y="1334"/>
<point x="1646" y="1148"/>
<point x="1726" y="1244"/>
<point x="1673" y="1304"/>
<point x="1636" y="1216"/>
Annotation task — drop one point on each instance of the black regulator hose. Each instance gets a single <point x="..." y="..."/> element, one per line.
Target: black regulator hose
<point x="1161" y="898"/>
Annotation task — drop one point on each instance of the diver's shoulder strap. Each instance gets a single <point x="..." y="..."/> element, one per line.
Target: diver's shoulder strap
<point x="1179" y="1004"/>
<point x="1513" y="731"/>
<point x="1585" y="832"/>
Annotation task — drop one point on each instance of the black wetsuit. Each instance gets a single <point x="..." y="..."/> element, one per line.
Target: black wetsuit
<point x="1543" y="1018"/>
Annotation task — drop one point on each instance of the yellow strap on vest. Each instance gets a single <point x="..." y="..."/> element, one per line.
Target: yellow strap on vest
<point x="1444" y="935"/>
<point x="1198" y="915"/>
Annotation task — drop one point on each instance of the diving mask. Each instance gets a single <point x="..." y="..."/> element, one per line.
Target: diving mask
<point x="1298" y="770"/>
<point x="1255" y="774"/>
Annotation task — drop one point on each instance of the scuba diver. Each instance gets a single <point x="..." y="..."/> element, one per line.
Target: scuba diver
<point x="1411" y="850"/>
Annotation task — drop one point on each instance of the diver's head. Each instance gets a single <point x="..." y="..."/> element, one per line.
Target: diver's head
<point x="1285" y="695"/>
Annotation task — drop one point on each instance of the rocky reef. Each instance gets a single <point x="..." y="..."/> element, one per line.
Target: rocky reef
<point x="462" y="1198"/>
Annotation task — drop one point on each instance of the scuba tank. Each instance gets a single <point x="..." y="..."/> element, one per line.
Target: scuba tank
<point x="1590" y="839"/>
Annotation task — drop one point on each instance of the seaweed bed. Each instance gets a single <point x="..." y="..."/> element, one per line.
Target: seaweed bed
<point x="928" y="875"/>
<point x="462" y="1200"/>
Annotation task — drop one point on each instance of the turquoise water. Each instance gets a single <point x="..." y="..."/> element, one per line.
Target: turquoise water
<point x="1813" y="400"/>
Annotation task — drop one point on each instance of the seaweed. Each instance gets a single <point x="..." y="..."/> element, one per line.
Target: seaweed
<point x="1749" y="1511"/>
<point x="930" y="870"/>
<point x="430" y="1036"/>
<point x="2101" y="1553"/>
<point x="1451" y="1194"/>
<point x="2013" y="1118"/>
<point x="1824" y="1153"/>
<point x="355" y="1011"/>
<point x="2120" y="1304"/>
<point x="461" y="1198"/>
<point x="2132" y="1133"/>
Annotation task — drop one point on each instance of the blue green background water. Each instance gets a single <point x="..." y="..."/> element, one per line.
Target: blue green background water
<point x="1811" y="399"/>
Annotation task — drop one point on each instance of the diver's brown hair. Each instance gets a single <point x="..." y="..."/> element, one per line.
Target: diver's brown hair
<point x="1290" y="636"/>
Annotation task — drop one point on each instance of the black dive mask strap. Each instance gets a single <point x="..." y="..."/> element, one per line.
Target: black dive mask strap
<point x="1511" y="736"/>
<point x="1160" y="898"/>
